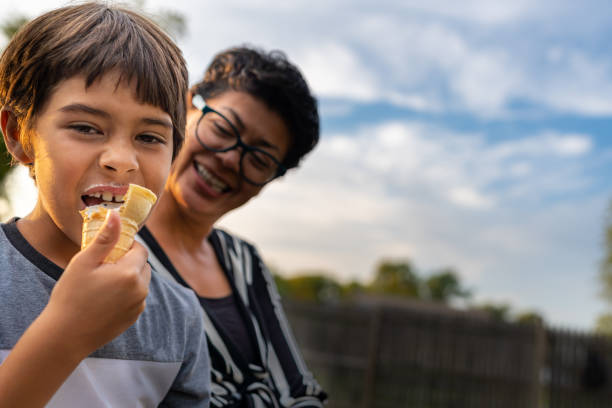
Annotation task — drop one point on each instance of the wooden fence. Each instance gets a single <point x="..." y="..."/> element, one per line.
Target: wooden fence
<point x="390" y="356"/>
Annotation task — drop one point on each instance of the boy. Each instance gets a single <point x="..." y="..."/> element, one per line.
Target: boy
<point x="92" y="100"/>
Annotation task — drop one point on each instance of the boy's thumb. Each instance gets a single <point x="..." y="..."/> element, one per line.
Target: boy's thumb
<point x="105" y="239"/>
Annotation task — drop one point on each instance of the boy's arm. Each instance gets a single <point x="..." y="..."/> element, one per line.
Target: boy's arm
<point x="91" y="304"/>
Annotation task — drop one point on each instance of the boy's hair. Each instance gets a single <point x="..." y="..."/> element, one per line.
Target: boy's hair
<point x="92" y="39"/>
<point x="271" y="78"/>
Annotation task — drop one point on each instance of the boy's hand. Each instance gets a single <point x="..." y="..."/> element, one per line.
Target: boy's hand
<point x="93" y="302"/>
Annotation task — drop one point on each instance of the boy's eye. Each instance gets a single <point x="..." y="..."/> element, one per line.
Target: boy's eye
<point x="84" y="128"/>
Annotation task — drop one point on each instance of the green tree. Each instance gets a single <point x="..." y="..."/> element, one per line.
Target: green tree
<point x="496" y="311"/>
<point x="396" y="278"/>
<point x="603" y="325"/>
<point x="9" y="27"/>
<point x="443" y="286"/>
<point x="353" y="288"/>
<point x="12" y="24"/>
<point x="310" y="285"/>
<point x="172" y="21"/>
<point x="605" y="270"/>
<point x="529" y="317"/>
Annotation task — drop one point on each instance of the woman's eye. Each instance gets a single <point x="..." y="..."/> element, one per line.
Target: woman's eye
<point x="259" y="160"/>
<point x="224" y="131"/>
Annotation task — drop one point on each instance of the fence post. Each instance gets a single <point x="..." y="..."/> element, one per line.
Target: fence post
<point x="372" y="361"/>
<point x="540" y="361"/>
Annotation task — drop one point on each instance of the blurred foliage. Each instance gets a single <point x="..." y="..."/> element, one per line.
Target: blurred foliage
<point x="603" y="325"/>
<point x="9" y="27"/>
<point x="314" y="286"/>
<point x="445" y="285"/>
<point x="529" y="317"/>
<point x="496" y="311"/>
<point x="605" y="270"/>
<point x="396" y="278"/>
<point x="172" y="21"/>
<point x="391" y="278"/>
<point x="604" y="322"/>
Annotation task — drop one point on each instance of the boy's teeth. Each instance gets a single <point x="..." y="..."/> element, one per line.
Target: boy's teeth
<point x="107" y="196"/>
<point x="214" y="182"/>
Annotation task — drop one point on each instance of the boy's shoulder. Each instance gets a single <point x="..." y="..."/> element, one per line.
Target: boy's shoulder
<point x="24" y="287"/>
<point x="17" y="255"/>
<point x="176" y="297"/>
<point x="14" y="248"/>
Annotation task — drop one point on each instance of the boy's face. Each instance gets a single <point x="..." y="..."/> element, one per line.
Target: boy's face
<point x="90" y="143"/>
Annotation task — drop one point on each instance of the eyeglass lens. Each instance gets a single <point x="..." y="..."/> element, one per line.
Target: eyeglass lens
<point x="216" y="133"/>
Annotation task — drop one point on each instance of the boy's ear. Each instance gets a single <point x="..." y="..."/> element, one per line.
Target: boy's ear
<point x="11" y="131"/>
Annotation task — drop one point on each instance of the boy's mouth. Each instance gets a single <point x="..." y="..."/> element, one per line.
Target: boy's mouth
<point x="215" y="183"/>
<point x="109" y="197"/>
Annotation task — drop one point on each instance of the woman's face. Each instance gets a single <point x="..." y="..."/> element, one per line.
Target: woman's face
<point x="210" y="184"/>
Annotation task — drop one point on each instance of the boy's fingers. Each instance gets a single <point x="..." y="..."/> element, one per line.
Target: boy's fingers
<point x="105" y="238"/>
<point x="138" y="253"/>
<point x="136" y="259"/>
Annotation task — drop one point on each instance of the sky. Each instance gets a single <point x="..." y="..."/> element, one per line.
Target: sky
<point x="472" y="137"/>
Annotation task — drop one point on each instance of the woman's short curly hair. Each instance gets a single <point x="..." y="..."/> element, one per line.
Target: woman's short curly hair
<point x="273" y="79"/>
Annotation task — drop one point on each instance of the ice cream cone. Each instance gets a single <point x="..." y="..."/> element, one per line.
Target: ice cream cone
<point x="133" y="212"/>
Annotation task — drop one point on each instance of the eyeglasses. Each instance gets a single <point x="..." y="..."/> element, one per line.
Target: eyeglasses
<point x="257" y="166"/>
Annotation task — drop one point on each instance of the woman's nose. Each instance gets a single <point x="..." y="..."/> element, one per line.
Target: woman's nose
<point x="231" y="159"/>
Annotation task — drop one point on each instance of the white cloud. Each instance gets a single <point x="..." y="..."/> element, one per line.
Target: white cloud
<point x="335" y="70"/>
<point x="544" y="144"/>
<point x="573" y="145"/>
<point x="470" y="198"/>
<point x="425" y="55"/>
<point x="485" y="12"/>
<point x="413" y="190"/>
<point x="485" y="81"/>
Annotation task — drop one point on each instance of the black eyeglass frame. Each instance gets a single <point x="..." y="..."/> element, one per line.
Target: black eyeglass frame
<point x="201" y="104"/>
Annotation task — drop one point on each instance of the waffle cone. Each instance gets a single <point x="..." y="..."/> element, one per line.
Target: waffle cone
<point x="133" y="212"/>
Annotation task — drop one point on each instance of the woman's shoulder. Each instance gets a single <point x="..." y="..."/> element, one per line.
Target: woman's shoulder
<point x="238" y="256"/>
<point x="232" y="241"/>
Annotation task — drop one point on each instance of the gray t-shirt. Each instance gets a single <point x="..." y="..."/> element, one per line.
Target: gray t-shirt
<point x="161" y="360"/>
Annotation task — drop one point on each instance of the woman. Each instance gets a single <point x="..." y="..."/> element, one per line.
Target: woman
<point x="250" y="119"/>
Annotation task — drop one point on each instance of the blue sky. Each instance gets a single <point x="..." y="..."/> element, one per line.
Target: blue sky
<point x="474" y="137"/>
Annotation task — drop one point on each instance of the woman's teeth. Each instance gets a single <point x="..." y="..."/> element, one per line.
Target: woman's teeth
<point x="211" y="180"/>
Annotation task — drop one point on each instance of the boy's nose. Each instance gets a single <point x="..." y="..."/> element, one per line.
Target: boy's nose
<point x="119" y="157"/>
